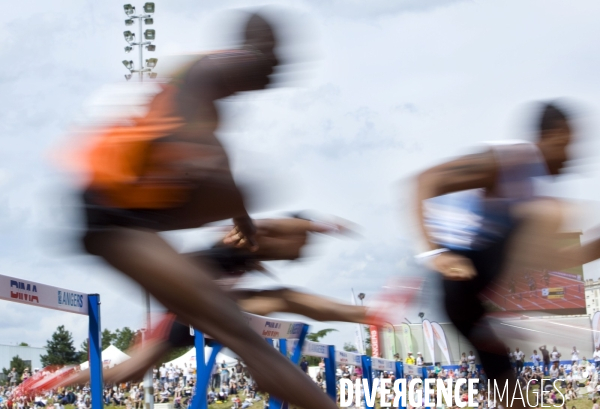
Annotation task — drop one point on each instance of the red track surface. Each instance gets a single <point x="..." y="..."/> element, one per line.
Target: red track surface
<point x="525" y="300"/>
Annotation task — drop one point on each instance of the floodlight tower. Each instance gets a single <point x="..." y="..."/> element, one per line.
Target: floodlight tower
<point x="149" y="36"/>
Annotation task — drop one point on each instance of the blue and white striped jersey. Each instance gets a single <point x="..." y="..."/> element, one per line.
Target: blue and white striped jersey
<point x="472" y="219"/>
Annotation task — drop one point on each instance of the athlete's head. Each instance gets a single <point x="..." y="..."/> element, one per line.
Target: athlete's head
<point x="259" y="34"/>
<point x="555" y="134"/>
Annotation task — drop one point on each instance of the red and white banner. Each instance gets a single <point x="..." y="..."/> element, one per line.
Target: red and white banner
<point x="374" y="341"/>
<point x="42" y="295"/>
<point x="440" y="337"/>
<point x="428" y="333"/>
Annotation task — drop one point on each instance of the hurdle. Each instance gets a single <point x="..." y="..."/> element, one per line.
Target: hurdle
<point x="55" y="298"/>
<point x="270" y="329"/>
<point x="328" y="353"/>
<point x="291" y="338"/>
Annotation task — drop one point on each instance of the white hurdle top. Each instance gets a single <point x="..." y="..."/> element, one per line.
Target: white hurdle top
<point x="311" y="348"/>
<point x="274" y="328"/>
<point x="380" y="364"/>
<point x="322" y="351"/>
<point x="42" y="295"/>
<point x="348" y="358"/>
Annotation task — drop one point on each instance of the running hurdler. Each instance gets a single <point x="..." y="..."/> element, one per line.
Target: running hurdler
<point x="277" y="239"/>
<point x="470" y="247"/>
<point x="168" y="171"/>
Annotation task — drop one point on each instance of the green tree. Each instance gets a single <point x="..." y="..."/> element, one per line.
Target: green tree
<point x="60" y="349"/>
<point x="23" y="344"/>
<point x="124" y="338"/>
<point x="83" y="352"/>
<point x="19" y="366"/>
<point x="316" y="337"/>
<point x="121" y="338"/>
<point x="174" y="353"/>
<point x="108" y="338"/>
<point x="350" y="347"/>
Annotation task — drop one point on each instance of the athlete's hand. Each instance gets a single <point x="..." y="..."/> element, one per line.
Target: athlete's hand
<point x="291" y="227"/>
<point x="283" y="239"/>
<point x="243" y="234"/>
<point x="454" y="267"/>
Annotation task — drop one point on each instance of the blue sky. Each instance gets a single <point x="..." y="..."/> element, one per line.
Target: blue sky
<point x="379" y="90"/>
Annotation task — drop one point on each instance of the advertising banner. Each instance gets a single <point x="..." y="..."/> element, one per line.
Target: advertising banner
<point x="41" y="295"/>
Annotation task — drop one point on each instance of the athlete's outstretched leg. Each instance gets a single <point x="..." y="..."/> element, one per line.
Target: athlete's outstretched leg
<point x="312" y="306"/>
<point x="188" y="290"/>
<point x="141" y="359"/>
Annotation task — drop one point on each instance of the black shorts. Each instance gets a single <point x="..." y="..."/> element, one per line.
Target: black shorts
<point x="466" y="310"/>
<point x="102" y="217"/>
<point x="179" y="336"/>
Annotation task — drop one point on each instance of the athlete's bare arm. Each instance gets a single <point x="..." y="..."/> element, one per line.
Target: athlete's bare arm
<point x="205" y="161"/>
<point x="465" y="173"/>
<point x="282" y="239"/>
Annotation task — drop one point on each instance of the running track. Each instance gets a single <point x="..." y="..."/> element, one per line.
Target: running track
<point x="525" y="300"/>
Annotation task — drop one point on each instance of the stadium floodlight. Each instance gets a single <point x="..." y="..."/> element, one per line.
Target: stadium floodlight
<point x="129" y="36"/>
<point x="129" y="9"/>
<point x="144" y="39"/>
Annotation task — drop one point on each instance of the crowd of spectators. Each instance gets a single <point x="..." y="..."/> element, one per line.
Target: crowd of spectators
<point x="232" y="383"/>
<point x="171" y="384"/>
<point x="575" y="380"/>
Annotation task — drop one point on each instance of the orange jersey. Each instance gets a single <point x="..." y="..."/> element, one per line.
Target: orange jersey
<point x="128" y="167"/>
<point x="143" y="165"/>
<point x="120" y="162"/>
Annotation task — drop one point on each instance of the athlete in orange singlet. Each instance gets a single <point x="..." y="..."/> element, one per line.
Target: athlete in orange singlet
<point x="168" y="171"/>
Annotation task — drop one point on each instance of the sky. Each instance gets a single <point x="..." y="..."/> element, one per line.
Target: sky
<point x="373" y="92"/>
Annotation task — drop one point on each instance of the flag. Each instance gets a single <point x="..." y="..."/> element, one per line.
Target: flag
<point x="428" y="332"/>
<point x="440" y="337"/>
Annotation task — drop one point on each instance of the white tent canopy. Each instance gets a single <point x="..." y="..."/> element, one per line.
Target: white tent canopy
<point x="189" y="359"/>
<point x="111" y="356"/>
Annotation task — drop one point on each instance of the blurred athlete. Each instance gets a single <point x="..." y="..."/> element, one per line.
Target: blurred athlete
<point x="469" y="243"/>
<point x="277" y="239"/>
<point x="168" y="171"/>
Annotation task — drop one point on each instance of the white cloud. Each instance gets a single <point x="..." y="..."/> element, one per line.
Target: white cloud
<point x="397" y="86"/>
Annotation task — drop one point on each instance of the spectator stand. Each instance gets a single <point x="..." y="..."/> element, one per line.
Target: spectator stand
<point x="57" y="298"/>
<point x="270" y="329"/>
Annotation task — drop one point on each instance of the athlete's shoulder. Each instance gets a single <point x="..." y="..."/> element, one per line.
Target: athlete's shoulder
<point x="233" y="55"/>
<point x="217" y="61"/>
<point x="235" y="69"/>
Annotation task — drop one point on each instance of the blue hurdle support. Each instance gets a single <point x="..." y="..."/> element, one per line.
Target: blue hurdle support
<point x="95" y="351"/>
<point x="368" y="375"/>
<point x="275" y="403"/>
<point x="330" y="373"/>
